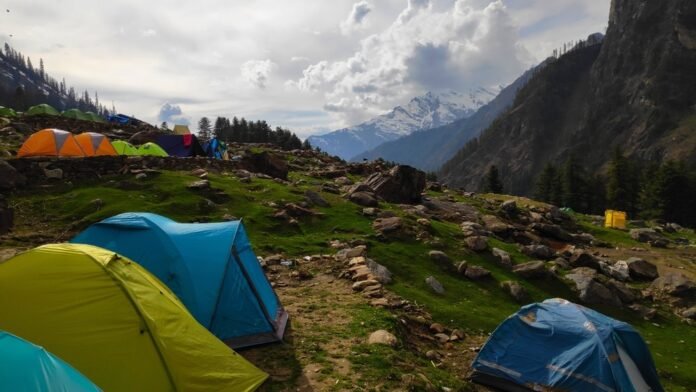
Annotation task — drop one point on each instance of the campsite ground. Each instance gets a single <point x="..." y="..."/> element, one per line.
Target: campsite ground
<point x="326" y="346"/>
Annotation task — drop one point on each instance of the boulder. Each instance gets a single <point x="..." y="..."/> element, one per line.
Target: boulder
<point x="640" y="269"/>
<point x="539" y="252"/>
<point x="365" y="199"/>
<point x="343" y="181"/>
<point x="10" y="178"/>
<point x="435" y="285"/>
<point x="689" y="313"/>
<point x="516" y="290"/>
<point x="618" y="271"/>
<point x="380" y="272"/>
<point x="439" y="257"/>
<point x="387" y="225"/>
<point x="477" y="243"/>
<point x="509" y="207"/>
<point x="552" y="231"/>
<point x="590" y="290"/>
<point x="644" y="311"/>
<point x="199" y="185"/>
<point x="493" y="224"/>
<point x="401" y="184"/>
<point x="315" y="199"/>
<point x="581" y="258"/>
<point x="369" y="211"/>
<point x="462" y="266"/>
<point x="475" y="272"/>
<point x="382" y="337"/>
<point x="470" y="229"/>
<point x="675" y="284"/>
<point x="531" y="270"/>
<point x="626" y="294"/>
<point x="442" y="338"/>
<point x="502" y="257"/>
<point x="265" y="163"/>
<point x="437" y="328"/>
<point x="363" y="284"/>
<point x="644" y="235"/>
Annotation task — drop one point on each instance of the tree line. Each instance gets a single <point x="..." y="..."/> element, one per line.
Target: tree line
<point x="58" y="94"/>
<point x="645" y="190"/>
<point x="240" y="130"/>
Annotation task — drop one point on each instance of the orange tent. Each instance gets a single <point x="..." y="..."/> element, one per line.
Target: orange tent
<point x="51" y="143"/>
<point x="95" y="144"/>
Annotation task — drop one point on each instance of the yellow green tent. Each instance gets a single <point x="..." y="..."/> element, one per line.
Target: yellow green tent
<point x="152" y="149"/>
<point x="115" y="323"/>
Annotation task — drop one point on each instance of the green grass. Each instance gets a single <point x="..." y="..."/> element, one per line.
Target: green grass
<point x="474" y="306"/>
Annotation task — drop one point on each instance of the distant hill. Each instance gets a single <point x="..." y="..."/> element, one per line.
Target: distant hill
<point x="429" y="149"/>
<point x="425" y="112"/>
<point x="636" y="92"/>
<point x="22" y="85"/>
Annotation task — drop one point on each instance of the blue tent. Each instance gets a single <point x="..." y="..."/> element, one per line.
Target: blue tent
<point x="211" y="267"/>
<point x="214" y="148"/>
<point x="27" y="367"/>
<point x="181" y="145"/>
<point x="558" y="345"/>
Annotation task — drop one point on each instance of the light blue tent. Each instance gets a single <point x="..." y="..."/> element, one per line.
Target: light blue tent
<point x="29" y="368"/>
<point x="558" y="345"/>
<point x="211" y="267"/>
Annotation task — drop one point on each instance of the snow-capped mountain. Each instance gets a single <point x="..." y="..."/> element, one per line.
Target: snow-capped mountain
<point x="425" y="112"/>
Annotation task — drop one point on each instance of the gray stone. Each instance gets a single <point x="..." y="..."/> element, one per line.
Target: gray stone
<point x="618" y="271"/>
<point x="382" y="337"/>
<point x="343" y="181"/>
<point x="583" y="258"/>
<point x="350" y="253"/>
<point x="462" y="266"/>
<point x="364" y="199"/>
<point x="140" y="176"/>
<point x="380" y="272"/>
<point x="509" y="207"/>
<point x="690" y="313"/>
<point x="369" y="211"/>
<point x="361" y="285"/>
<point x="516" y="290"/>
<point x="10" y="178"/>
<point x="539" y="252"/>
<point x="626" y="294"/>
<point x="644" y="235"/>
<point x="503" y="257"/>
<point x="477" y="243"/>
<point x="439" y="257"/>
<point x="199" y="185"/>
<point x="475" y="272"/>
<point x="552" y="231"/>
<point x="644" y="311"/>
<point x="387" y="225"/>
<point x="675" y="284"/>
<point x="495" y="225"/>
<point x="53" y="174"/>
<point x="470" y="229"/>
<point x="401" y="184"/>
<point x="589" y="289"/>
<point x="435" y="285"/>
<point x="640" y="269"/>
<point x="315" y="199"/>
<point x="531" y="270"/>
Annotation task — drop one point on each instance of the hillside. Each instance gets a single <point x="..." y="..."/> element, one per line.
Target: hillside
<point x="429" y="149"/>
<point x="636" y="92"/>
<point x="425" y="112"/>
<point x="320" y="217"/>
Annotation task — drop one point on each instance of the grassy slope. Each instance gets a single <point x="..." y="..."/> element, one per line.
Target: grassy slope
<point x="477" y="307"/>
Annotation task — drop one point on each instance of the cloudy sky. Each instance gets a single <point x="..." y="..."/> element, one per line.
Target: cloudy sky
<point x="309" y="65"/>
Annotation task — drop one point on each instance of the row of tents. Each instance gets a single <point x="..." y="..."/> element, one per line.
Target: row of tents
<point x="58" y="143"/>
<point x="45" y="109"/>
<point x="137" y="302"/>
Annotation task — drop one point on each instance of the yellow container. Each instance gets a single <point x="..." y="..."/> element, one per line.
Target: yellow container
<point x="615" y="219"/>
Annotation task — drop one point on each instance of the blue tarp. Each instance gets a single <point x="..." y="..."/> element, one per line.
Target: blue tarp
<point x="214" y="148"/>
<point x="564" y="346"/>
<point x="211" y="267"/>
<point x="181" y="145"/>
<point x="29" y="368"/>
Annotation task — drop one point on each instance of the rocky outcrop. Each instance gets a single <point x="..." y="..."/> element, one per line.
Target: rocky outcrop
<point x="401" y="184"/>
<point x="531" y="270"/>
<point x="586" y="283"/>
<point x="387" y="225"/>
<point x="640" y="269"/>
<point x="266" y="163"/>
<point x="674" y="284"/>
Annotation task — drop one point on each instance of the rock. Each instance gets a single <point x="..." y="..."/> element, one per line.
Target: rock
<point x="509" y="207"/>
<point x="477" y="243"/>
<point x="435" y="285"/>
<point x="364" y="199"/>
<point x="439" y="257"/>
<point x="470" y="229"/>
<point x="583" y="258"/>
<point x="433" y="355"/>
<point x="198" y="172"/>
<point x="273" y="259"/>
<point x="516" y="290"/>
<point x="229" y="218"/>
<point x="502" y="257"/>
<point x="640" y="269"/>
<point x="382" y="337"/>
<point x="10" y="178"/>
<point x="53" y="174"/>
<point x="619" y="271"/>
<point x="361" y="285"/>
<point x="380" y="303"/>
<point x="475" y="272"/>
<point x="437" y="328"/>
<point x="442" y="338"/>
<point x="644" y="235"/>
<point x="380" y="272"/>
<point x="589" y="289"/>
<point x="659" y="243"/>
<point x="329" y="188"/>
<point x="343" y="181"/>
<point x="626" y="294"/>
<point x="199" y="185"/>
<point x="531" y="270"/>
<point x="552" y="231"/>
<point x="423" y="222"/>
<point x="461" y="267"/>
<point x="689" y="313"/>
<point x="401" y="184"/>
<point x="493" y="224"/>
<point x="675" y="284"/>
<point x="386" y="214"/>
<point x="645" y="312"/>
<point x="539" y="252"/>
<point x="315" y="199"/>
<point x="561" y="263"/>
<point x="206" y="205"/>
<point x="265" y="163"/>
<point x="140" y="176"/>
<point x="369" y="211"/>
<point x="350" y="253"/>
<point x="297" y="211"/>
<point x="98" y="204"/>
<point x="387" y="225"/>
<point x="459" y="334"/>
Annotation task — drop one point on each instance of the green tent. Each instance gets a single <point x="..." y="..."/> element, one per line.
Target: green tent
<point x="95" y="117"/>
<point x="76" y="114"/>
<point x="152" y="149"/>
<point x="124" y="148"/>
<point x="7" y="112"/>
<point x="42" y="109"/>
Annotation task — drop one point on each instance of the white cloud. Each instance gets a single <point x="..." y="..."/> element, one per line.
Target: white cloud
<point x="257" y="72"/>
<point x="149" y="33"/>
<point x="173" y="115"/>
<point x="357" y="16"/>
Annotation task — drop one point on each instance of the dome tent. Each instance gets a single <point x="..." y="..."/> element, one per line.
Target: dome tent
<point x="42" y="109"/>
<point x="115" y="322"/>
<point x="51" y="143"/>
<point x="75" y="114"/>
<point x="124" y="148"/>
<point x="152" y="149"/>
<point x="7" y="112"/>
<point x="30" y="368"/>
<point x="558" y="345"/>
<point x="211" y="267"/>
<point x="95" y="144"/>
<point x="95" y="117"/>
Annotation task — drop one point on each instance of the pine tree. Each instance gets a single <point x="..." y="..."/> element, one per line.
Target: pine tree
<point x="164" y="126"/>
<point x="492" y="181"/>
<point x="204" y="129"/>
<point x="572" y="184"/>
<point x="545" y="186"/>
<point x="306" y="145"/>
<point x="42" y="70"/>
<point x="622" y="184"/>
